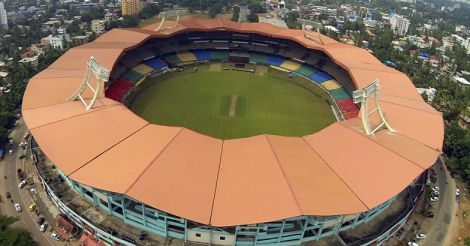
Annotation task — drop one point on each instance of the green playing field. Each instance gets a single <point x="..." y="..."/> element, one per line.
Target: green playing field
<point x="229" y="104"/>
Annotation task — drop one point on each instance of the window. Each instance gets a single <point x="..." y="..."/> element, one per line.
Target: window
<point x="222" y="238"/>
<point x="198" y="234"/>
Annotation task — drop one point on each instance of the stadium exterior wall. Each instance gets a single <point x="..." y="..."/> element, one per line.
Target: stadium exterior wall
<point x="282" y="232"/>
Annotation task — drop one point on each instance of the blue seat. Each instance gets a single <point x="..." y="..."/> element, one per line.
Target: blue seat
<point x="155" y="63"/>
<point x="320" y="77"/>
<point x="275" y="60"/>
<point x="203" y="55"/>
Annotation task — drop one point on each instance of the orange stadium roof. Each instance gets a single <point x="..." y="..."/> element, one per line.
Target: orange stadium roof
<point x="338" y="170"/>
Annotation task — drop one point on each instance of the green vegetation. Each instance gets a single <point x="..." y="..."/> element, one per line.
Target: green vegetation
<point x="272" y="103"/>
<point x="13" y="236"/>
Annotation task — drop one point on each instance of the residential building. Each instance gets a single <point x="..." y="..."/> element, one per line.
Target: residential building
<point x="3" y="17"/>
<point x="399" y="25"/>
<point x="108" y="17"/>
<point x="98" y="26"/>
<point x="131" y="7"/>
<point x="462" y="41"/>
<point x="57" y="42"/>
<point x="32" y="61"/>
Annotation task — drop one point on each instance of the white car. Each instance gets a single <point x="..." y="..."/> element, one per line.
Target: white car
<point x="434" y="199"/>
<point x="412" y="244"/>
<point x="436" y="188"/>
<point x="22" y="184"/>
<point x="43" y="227"/>
<point x="457" y="192"/>
<point x="421" y="236"/>
<point x="17" y="207"/>
<point x="55" y="236"/>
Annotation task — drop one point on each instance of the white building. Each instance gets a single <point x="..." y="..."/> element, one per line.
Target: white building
<point x="430" y="92"/>
<point x="98" y="26"/>
<point x="57" y="42"/>
<point x="462" y="41"/>
<point x="399" y="25"/>
<point x="3" y="17"/>
<point x="32" y="61"/>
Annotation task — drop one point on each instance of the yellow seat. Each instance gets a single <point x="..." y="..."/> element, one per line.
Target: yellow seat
<point x="280" y="68"/>
<point x="143" y="69"/>
<point x="290" y="65"/>
<point x="331" y="84"/>
<point x="187" y="57"/>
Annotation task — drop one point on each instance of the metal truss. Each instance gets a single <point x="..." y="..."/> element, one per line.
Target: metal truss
<point x="100" y="73"/>
<point x="362" y="96"/>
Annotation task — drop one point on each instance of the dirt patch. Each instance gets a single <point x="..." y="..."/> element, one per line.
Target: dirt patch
<point x="261" y="70"/>
<point x="215" y="67"/>
<point x="233" y="105"/>
<point x="461" y="226"/>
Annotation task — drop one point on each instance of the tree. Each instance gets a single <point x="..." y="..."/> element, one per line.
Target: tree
<point x="130" y="21"/>
<point x="13" y="236"/>
<point x="466" y="241"/>
<point x="252" y="17"/>
<point x="74" y="27"/>
<point x="256" y="8"/>
<point x="236" y="13"/>
<point x="215" y="9"/>
<point x="150" y="10"/>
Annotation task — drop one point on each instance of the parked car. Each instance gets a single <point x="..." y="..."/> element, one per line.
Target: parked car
<point x="430" y="214"/>
<point x="41" y="220"/>
<point x="8" y="195"/>
<point x="111" y="231"/>
<point x="22" y="184"/>
<point x="17" y="207"/>
<point x="412" y="244"/>
<point x="128" y="239"/>
<point x="55" y="236"/>
<point x="457" y="192"/>
<point x="43" y="227"/>
<point x="32" y="206"/>
<point x="421" y="236"/>
<point x="142" y="235"/>
<point x="434" y="199"/>
<point x="10" y="152"/>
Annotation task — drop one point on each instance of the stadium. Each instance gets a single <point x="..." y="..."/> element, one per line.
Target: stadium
<point x="211" y="131"/>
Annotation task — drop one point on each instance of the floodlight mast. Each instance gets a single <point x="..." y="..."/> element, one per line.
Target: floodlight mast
<point x="362" y="96"/>
<point x="100" y="73"/>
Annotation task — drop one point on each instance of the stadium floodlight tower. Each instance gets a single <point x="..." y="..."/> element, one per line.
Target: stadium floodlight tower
<point x="100" y="73"/>
<point x="362" y="96"/>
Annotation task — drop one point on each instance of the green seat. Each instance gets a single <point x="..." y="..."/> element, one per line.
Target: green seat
<point x="306" y="71"/>
<point x="173" y="58"/>
<point x="220" y="55"/>
<point x="340" y="94"/>
<point x="258" y="58"/>
<point x="132" y="76"/>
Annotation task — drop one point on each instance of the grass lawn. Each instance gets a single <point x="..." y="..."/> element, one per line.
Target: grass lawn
<point x="231" y="104"/>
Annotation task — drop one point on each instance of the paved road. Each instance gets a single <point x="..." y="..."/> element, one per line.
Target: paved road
<point x="8" y="168"/>
<point x="447" y="207"/>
